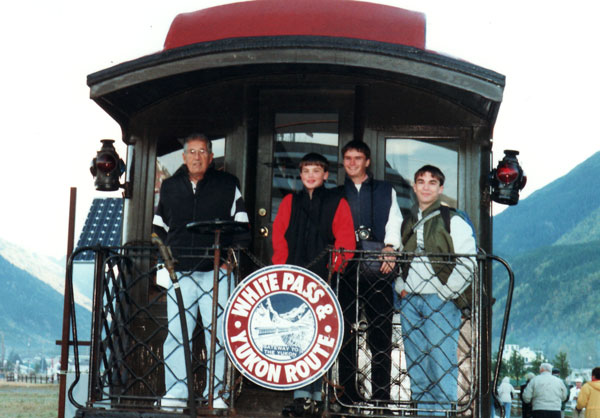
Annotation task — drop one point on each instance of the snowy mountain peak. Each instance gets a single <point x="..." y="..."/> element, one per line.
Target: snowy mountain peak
<point x="44" y="268"/>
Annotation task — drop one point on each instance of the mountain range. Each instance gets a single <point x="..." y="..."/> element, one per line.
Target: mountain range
<point x="48" y="270"/>
<point x="31" y="302"/>
<point x="552" y="241"/>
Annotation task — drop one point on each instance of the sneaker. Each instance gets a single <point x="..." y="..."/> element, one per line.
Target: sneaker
<point x="362" y="408"/>
<point x="319" y="408"/>
<point x="394" y="409"/>
<point x="172" y="404"/>
<point x="302" y="407"/>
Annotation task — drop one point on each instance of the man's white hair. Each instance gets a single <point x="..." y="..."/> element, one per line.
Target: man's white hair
<point x="546" y="367"/>
<point x="198" y="137"/>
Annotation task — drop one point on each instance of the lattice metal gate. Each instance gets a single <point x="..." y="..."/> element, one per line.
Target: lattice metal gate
<point x="376" y="373"/>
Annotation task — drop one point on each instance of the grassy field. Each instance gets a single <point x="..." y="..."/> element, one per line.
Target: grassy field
<point x="23" y="400"/>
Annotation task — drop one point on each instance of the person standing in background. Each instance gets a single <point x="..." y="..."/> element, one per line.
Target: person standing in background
<point x="505" y="393"/>
<point x="563" y="405"/>
<point x="589" y="396"/>
<point x="526" y="411"/>
<point x="546" y="393"/>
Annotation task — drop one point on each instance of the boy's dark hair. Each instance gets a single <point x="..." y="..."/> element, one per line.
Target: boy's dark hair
<point x="314" y="158"/>
<point x="596" y="373"/>
<point x="435" y="172"/>
<point x="359" y="146"/>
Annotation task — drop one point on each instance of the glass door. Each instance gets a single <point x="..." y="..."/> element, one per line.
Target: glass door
<point x="291" y="125"/>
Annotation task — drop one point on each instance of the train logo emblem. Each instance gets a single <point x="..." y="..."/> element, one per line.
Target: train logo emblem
<point x="283" y="327"/>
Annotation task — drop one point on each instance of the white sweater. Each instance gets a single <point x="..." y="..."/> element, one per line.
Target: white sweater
<point x="545" y="392"/>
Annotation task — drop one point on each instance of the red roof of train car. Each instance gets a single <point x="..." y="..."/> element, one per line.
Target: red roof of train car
<point x="331" y="18"/>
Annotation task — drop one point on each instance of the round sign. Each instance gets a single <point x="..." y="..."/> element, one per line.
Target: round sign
<point x="283" y="327"/>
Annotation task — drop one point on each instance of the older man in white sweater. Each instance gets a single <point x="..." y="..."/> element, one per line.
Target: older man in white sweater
<point x="546" y="393"/>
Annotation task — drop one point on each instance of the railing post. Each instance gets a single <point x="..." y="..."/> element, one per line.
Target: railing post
<point x="64" y="357"/>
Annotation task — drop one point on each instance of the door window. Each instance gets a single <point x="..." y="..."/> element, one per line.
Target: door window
<point x="297" y="134"/>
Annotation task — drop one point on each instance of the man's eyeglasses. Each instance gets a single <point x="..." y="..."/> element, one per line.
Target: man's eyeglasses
<point x="197" y="151"/>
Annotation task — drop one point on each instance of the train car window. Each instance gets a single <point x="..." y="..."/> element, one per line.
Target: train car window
<point x="404" y="156"/>
<point x="297" y="134"/>
<point x="167" y="164"/>
<point x="170" y="162"/>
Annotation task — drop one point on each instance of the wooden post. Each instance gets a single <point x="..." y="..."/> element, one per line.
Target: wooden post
<point x="64" y="352"/>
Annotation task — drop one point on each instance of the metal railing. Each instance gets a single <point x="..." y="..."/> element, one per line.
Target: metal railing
<point x="374" y="373"/>
<point x="130" y="325"/>
<point x="386" y="347"/>
<point x="41" y="379"/>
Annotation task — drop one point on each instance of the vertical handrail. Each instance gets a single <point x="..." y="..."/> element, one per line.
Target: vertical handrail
<point x="214" y="315"/>
<point x="167" y="256"/>
<point x="73" y="323"/>
<point x="74" y="331"/>
<point x="94" y="387"/>
<point x="511" y="284"/>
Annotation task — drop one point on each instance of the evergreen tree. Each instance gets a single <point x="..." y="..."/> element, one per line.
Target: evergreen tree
<point x="516" y="366"/>
<point x="562" y="364"/>
<point x="43" y="364"/>
<point x="536" y="363"/>
<point x="503" y="366"/>
<point x="13" y="357"/>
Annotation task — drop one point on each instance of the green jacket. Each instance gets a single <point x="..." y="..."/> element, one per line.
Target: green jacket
<point x="436" y="237"/>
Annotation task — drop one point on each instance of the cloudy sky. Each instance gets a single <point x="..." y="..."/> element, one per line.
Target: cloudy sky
<point x="51" y="129"/>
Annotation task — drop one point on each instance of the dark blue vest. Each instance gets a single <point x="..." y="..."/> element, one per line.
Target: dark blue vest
<point x="371" y="205"/>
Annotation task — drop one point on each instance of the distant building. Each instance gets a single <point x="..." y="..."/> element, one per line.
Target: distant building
<point x="527" y="353"/>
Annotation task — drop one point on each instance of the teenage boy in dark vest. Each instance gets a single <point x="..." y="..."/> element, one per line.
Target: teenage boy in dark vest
<point x="429" y="288"/>
<point x="375" y="211"/>
<point x="306" y="224"/>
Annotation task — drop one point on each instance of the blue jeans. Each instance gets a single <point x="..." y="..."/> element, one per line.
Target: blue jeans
<point x="196" y="290"/>
<point x="312" y="391"/>
<point x="507" y="407"/>
<point x="430" y="330"/>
